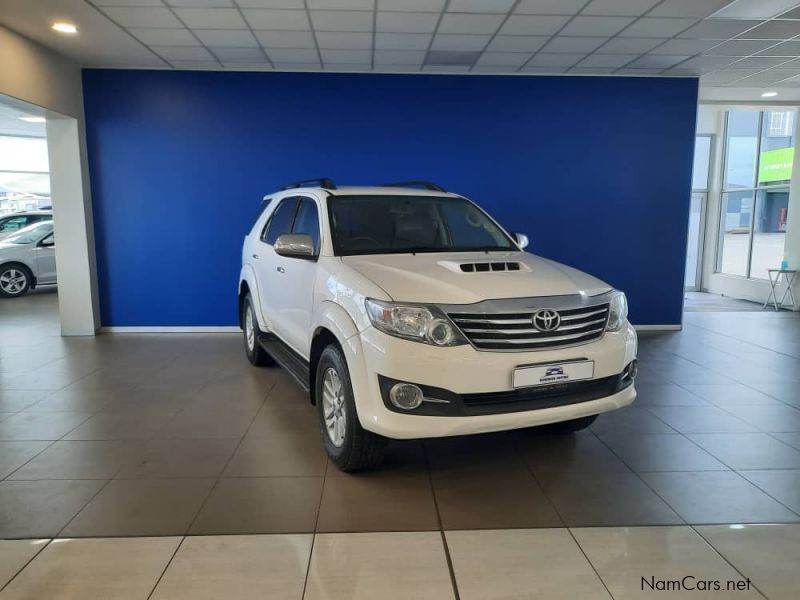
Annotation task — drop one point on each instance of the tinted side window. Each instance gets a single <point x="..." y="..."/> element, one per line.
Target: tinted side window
<point x="14" y="223"/>
<point x="307" y="221"/>
<point x="280" y="221"/>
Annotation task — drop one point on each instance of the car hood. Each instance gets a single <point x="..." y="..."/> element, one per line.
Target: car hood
<point x="439" y="278"/>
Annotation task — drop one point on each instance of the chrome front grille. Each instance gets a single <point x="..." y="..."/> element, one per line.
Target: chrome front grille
<point x="515" y="331"/>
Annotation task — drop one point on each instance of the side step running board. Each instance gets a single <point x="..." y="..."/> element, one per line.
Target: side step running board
<point x="287" y="358"/>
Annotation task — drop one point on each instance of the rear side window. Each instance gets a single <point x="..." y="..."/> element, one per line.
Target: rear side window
<point x="307" y="221"/>
<point x="14" y="224"/>
<point x="280" y="221"/>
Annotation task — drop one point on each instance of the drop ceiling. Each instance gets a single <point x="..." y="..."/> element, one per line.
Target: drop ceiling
<point x="741" y="43"/>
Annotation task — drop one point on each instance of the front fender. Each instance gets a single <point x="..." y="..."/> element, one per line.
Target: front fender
<point x="248" y="275"/>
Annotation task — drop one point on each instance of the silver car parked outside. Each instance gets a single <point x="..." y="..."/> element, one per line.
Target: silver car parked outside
<point x="27" y="259"/>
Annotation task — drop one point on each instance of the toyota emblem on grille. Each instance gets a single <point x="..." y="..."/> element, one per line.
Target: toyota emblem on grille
<point x="546" y="320"/>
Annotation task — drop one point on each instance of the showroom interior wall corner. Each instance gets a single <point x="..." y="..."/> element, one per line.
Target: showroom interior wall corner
<point x="33" y="74"/>
<point x="597" y="170"/>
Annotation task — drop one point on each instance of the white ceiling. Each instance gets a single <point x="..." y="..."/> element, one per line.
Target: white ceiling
<point x="742" y="43"/>
<point x="10" y="123"/>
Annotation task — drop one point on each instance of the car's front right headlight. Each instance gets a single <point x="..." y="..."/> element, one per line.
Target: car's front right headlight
<point x="419" y="323"/>
<point x="617" y="312"/>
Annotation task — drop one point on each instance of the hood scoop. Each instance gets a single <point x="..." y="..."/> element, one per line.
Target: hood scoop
<point x="483" y="266"/>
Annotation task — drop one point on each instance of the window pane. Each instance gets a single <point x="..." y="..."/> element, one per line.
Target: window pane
<point x="23" y="154"/>
<point x="777" y="148"/>
<point x="737" y="214"/>
<point x="741" y="146"/>
<point x="702" y="155"/>
<point x="770" y="230"/>
<point x="281" y="220"/>
<point x="693" y="247"/>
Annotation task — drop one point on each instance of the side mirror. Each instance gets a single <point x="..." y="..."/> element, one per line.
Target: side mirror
<point x="522" y="240"/>
<point x="295" y="245"/>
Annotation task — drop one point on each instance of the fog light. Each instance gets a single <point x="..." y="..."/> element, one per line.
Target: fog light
<point x="405" y="395"/>
<point x="633" y="369"/>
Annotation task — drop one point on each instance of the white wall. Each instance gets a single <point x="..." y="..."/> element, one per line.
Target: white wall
<point x="33" y="74"/>
<point x="711" y="120"/>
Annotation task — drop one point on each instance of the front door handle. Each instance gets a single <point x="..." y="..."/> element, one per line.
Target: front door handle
<point x="255" y="255"/>
<point x="281" y="270"/>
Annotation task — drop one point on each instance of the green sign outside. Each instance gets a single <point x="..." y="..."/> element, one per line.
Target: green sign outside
<point x="775" y="165"/>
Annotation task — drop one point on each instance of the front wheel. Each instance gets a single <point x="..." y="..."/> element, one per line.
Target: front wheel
<point x="15" y="280"/>
<point x="255" y="353"/>
<point x="348" y="445"/>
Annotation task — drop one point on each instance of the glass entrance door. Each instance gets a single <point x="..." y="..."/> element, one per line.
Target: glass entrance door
<point x="694" y="250"/>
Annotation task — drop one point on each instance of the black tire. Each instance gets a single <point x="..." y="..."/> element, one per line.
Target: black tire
<point x="360" y="449"/>
<point x="10" y="284"/>
<point x="255" y="353"/>
<point x="567" y="427"/>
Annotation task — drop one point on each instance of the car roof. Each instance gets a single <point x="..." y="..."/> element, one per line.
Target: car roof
<point x="22" y="213"/>
<point x="368" y="191"/>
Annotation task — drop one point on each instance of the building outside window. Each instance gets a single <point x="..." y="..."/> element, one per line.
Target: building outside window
<point x="759" y="150"/>
<point x="24" y="173"/>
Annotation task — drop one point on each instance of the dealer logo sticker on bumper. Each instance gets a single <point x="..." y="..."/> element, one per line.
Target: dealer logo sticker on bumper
<point x="553" y="373"/>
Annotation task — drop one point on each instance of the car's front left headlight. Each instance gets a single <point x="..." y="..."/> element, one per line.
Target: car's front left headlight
<point x="419" y="323"/>
<point x="617" y="312"/>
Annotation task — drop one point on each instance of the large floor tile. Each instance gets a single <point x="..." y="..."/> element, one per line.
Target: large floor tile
<point x="97" y="568"/>
<point x="731" y="395"/>
<point x="661" y="452"/>
<point x="579" y="453"/>
<point x="635" y="561"/>
<point x="377" y="502"/>
<point x="475" y="455"/>
<point x="41" y="508"/>
<point x="15" y="554"/>
<point x="17" y="400"/>
<point x="261" y="505"/>
<point x="631" y="419"/>
<point x="493" y="502"/>
<point x="770" y="418"/>
<point x="40" y="426"/>
<point x="783" y="485"/>
<point x="106" y="425"/>
<point x="521" y="563"/>
<point x="666" y="395"/>
<point x="365" y="566"/>
<point x="277" y="419"/>
<point x="717" y="497"/>
<point x="749" y="450"/>
<point x="205" y="458"/>
<point x="15" y="454"/>
<point x="785" y="392"/>
<point x="767" y="554"/>
<point x="199" y="424"/>
<point x="243" y="567"/>
<point x="606" y="499"/>
<point x="281" y="455"/>
<point x="80" y="460"/>
<point x="141" y="507"/>
<point x="701" y="419"/>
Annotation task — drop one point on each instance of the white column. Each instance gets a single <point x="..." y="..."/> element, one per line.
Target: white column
<point x="72" y="217"/>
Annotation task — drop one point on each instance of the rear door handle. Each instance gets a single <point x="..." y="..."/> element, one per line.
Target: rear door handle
<point x="281" y="270"/>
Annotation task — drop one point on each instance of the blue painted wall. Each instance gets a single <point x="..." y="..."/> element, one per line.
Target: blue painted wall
<point x="596" y="170"/>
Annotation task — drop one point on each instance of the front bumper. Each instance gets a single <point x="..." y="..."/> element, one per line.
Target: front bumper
<point x="466" y="371"/>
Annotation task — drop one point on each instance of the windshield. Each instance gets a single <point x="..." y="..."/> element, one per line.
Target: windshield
<point x="30" y="234"/>
<point x="398" y="224"/>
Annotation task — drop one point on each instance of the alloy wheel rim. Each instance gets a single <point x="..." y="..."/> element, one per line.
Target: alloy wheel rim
<point x="13" y="281"/>
<point x="249" y="329"/>
<point x="333" y="407"/>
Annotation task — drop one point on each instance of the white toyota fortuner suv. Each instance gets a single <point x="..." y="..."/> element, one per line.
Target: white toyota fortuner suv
<point x="410" y="313"/>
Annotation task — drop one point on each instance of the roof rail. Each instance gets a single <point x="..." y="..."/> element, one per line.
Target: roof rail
<point x="322" y="182"/>
<point x="423" y="184"/>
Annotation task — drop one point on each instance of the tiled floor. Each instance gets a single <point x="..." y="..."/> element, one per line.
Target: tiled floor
<point x="168" y="435"/>
<point x="745" y="561"/>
